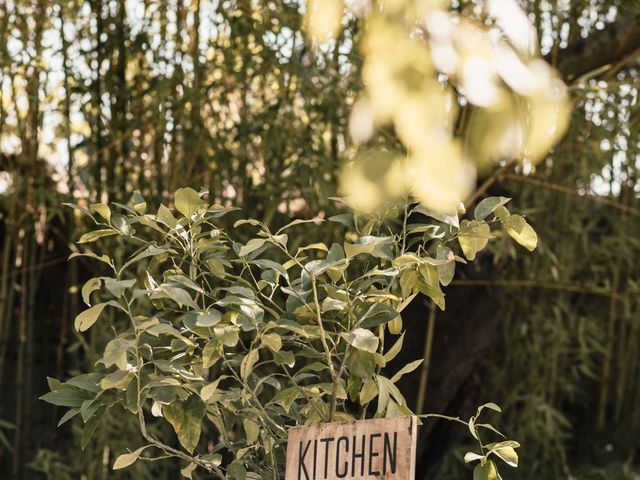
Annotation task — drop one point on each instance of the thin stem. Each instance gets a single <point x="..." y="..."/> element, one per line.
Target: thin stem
<point x="325" y="346"/>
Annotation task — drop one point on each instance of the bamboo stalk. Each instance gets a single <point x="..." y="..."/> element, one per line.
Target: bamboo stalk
<point x="424" y="372"/>
<point x="608" y="356"/>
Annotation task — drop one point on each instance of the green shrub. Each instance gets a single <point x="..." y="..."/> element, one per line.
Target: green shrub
<point x="232" y="343"/>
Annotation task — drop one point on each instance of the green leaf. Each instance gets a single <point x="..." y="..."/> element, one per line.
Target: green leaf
<point x="127" y="459"/>
<point x="251" y="246"/>
<point x="475" y="239"/>
<point x="394" y="350"/>
<point x="246" y="366"/>
<point x="96" y="234"/>
<point x="487" y="206"/>
<point x="490" y="406"/>
<point x="368" y="392"/>
<point x="472" y="457"/>
<point x="117" y="380"/>
<point x="410" y="367"/>
<point x="118" y="287"/>
<point x="187" y="471"/>
<point x="87" y="381"/>
<point x="252" y="429"/>
<point x="344" y="218"/>
<point x="450" y="218"/>
<point x="362" y="339"/>
<point x="87" y="318"/>
<point x="65" y="397"/>
<point x="102" y="258"/>
<point x="236" y="471"/>
<point x="178" y="295"/>
<point x="165" y="216"/>
<point x="115" y="353"/>
<point x="68" y="416"/>
<point x="284" y="358"/>
<point x="208" y="319"/>
<point x="208" y="390"/>
<point x="507" y="454"/>
<point x="526" y="237"/>
<point x="488" y="471"/>
<point x="121" y="223"/>
<point x="446" y="270"/>
<point x="185" y="419"/>
<point x="102" y="210"/>
<point x="211" y="353"/>
<point x="188" y="202"/>
<point x="395" y="325"/>
<point x="272" y="340"/>
<point x="383" y="396"/>
<point x="89" y="287"/>
<point x="139" y="204"/>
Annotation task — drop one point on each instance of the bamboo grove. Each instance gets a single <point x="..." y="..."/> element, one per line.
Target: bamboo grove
<point x="102" y="98"/>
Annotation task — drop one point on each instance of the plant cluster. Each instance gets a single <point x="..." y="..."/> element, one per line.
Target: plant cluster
<point x="240" y="341"/>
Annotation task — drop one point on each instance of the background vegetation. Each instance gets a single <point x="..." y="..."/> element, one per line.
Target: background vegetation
<point x="101" y="98"/>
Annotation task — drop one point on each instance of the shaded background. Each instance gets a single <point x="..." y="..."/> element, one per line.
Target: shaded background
<point x="101" y="98"/>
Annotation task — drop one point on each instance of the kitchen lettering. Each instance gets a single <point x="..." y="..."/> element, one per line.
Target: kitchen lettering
<point x="354" y="456"/>
<point x="380" y="448"/>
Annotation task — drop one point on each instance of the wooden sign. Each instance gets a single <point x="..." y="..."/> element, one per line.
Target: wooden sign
<point x="365" y="449"/>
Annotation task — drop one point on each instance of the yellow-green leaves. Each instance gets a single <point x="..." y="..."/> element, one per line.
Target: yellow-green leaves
<point x="487" y="206"/>
<point x="94" y="235"/>
<point x="248" y="362"/>
<point x="102" y="210"/>
<point x="87" y="318"/>
<point x="251" y="246"/>
<point x="115" y="353"/>
<point x="505" y="451"/>
<point x="473" y="237"/>
<point x="486" y="471"/>
<point x="272" y="340"/>
<point x="89" y="287"/>
<point x="208" y="390"/>
<point x="117" y="380"/>
<point x="211" y="353"/>
<point x="252" y="429"/>
<point x="362" y="339"/>
<point x="165" y="216"/>
<point x="521" y="232"/>
<point x="185" y="418"/>
<point x="127" y="459"/>
<point x="188" y="202"/>
<point x="255" y="342"/>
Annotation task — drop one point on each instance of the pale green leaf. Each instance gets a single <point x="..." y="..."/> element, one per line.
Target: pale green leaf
<point x="246" y="366"/>
<point x="96" y="234"/>
<point x="410" y="367"/>
<point x="488" y="471"/>
<point x="188" y="202"/>
<point x="527" y="237"/>
<point x="127" y="459"/>
<point x="487" y="206"/>
<point x="272" y="340"/>
<point x="474" y="240"/>
<point x="89" y="287"/>
<point x="362" y="339"/>
<point x="251" y="246"/>
<point x="87" y="318"/>
<point x="102" y="210"/>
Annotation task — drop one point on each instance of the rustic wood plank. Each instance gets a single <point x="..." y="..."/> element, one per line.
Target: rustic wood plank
<point x="367" y="449"/>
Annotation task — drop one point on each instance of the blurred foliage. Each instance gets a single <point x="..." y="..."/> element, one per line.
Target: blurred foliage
<point x="104" y="97"/>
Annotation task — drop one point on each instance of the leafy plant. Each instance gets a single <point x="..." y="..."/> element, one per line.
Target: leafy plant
<point x="241" y="340"/>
